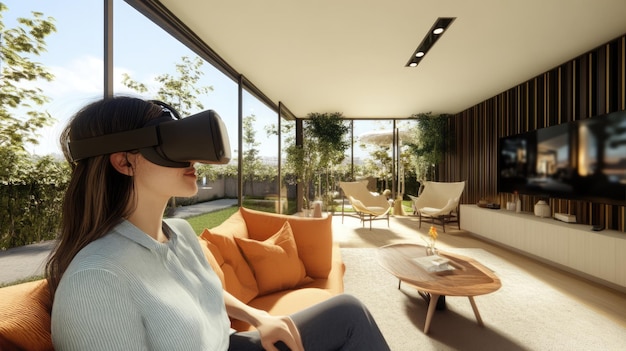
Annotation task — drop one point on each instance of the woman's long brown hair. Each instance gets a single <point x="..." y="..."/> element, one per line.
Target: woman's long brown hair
<point x="98" y="197"/>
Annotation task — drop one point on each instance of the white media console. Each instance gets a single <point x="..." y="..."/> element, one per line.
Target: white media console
<point x="596" y="255"/>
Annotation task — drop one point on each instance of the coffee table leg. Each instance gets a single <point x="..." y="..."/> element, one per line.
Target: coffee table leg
<point x="432" y="305"/>
<point x="441" y="303"/>
<point x="475" y="308"/>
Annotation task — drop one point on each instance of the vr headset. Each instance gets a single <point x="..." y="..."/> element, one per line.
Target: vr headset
<point x="168" y="141"/>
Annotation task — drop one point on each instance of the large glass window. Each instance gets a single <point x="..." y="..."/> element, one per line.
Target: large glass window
<point x="260" y="156"/>
<point x="387" y="164"/>
<point x="147" y="59"/>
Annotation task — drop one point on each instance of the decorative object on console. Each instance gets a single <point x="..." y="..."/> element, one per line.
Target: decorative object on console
<point x="317" y="209"/>
<point x="565" y="217"/>
<point x="542" y="209"/>
<point x="486" y="204"/>
<point x="518" y="203"/>
<point x="510" y="205"/>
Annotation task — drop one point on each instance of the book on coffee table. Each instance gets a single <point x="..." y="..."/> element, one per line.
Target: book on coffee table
<point x="434" y="263"/>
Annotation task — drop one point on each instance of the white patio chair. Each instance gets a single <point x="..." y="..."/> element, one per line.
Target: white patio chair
<point x="367" y="206"/>
<point x="439" y="201"/>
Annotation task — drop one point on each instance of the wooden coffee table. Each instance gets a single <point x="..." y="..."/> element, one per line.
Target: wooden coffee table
<point x="468" y="278"/>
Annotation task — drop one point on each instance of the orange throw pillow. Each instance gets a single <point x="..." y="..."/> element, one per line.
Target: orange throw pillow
<point x="238" y="278"/>
<point x="25" y="316"/>
<point x="275" y="261"/>
<point x="313" y="236"/>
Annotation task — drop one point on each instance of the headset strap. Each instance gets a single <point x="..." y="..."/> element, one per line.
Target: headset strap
<point x="110" y="143"/>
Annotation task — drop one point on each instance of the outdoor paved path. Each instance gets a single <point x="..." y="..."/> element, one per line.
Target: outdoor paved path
<point x="203" y="207"/>
<point x="23" y="262"/>
<point x="30" y="260"/>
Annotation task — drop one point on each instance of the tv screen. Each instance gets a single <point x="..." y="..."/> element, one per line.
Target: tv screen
<point x="577" y="160"/>
<point x="514" y="165"/>
<point x="552" y="172"/>
<point x="602" y="157"/>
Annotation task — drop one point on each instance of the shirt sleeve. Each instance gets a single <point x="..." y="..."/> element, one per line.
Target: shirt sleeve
<point x="93" y="310"/>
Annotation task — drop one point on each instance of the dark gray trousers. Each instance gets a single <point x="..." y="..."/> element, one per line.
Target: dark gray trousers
<point x="339" y="323"/>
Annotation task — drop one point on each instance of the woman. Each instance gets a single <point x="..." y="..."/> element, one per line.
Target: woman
<point x="123" y="279"/>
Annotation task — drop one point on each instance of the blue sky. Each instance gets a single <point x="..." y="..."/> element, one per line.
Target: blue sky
<point x="141" y="49"/>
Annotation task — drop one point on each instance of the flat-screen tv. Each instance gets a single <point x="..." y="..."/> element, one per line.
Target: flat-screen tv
<point x="584" y="160"/>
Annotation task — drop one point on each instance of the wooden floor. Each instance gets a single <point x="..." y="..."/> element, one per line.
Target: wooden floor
<point x="605" y="300"/>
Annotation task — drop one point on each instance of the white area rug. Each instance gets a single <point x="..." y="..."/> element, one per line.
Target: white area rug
<point x="525" y="314"/>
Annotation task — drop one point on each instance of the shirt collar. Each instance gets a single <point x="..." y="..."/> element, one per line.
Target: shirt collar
<point x="131" y="232"/>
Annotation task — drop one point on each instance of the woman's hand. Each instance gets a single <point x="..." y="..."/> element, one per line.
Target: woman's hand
<point x="273" y="329"/>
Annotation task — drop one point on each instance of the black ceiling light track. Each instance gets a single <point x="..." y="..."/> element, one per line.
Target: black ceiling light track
<point x="435" y="32"/>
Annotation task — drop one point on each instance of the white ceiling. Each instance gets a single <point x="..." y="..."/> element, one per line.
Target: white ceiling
<point x="349" y="56"/>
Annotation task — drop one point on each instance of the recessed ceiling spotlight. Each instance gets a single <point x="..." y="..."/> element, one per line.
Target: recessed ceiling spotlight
<point x="440" y="26"/>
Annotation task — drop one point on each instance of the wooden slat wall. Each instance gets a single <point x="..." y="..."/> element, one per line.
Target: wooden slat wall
<point x="589" y="85"/>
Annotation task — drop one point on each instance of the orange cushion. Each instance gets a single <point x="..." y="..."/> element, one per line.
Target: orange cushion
<point x="25" y="316"/>
<point x="334" y="282"/>
<point x="313" y="236"/>
<point x="234" y="226"/>
<point x="238" y="277"/>
<point x="274" y="261"/>
<point x="213" y="255"/>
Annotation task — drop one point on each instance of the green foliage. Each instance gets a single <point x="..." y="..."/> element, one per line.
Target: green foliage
<point x="327" y="133"/>
<point x="214" y="172"/>
<point x="31" y="188"/>
<point x="20" y="117"/>
<point x="31" y="196"/>
<point x="431" y="144"/>
<point x="253" y="167"/>
<point x="380" y="163"/>
<point x="324" y="146"/>
<point x="181" y="91"/>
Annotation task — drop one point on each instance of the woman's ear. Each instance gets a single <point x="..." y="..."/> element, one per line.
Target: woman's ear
<point x="120" y="162"/>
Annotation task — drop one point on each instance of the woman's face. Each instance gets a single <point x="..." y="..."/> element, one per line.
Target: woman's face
<point x="159" y="182"/>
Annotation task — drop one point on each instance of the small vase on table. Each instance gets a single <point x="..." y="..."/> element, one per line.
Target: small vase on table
<point x="432" y="239"/>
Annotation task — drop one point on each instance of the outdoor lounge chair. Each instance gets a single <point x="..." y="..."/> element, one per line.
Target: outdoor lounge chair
<point x="367" y="206"/>
<point x="439" y="201"/>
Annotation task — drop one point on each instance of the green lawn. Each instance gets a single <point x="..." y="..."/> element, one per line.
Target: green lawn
<point x="25" y="280"/>
<point x="210" y="220"/>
